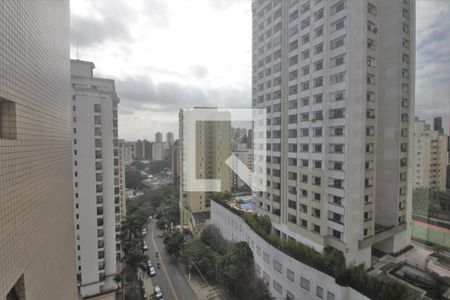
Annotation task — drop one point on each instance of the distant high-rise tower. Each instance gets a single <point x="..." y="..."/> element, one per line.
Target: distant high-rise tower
<point x="158" y="137"/>
<point x="37" y="248"/>
<point x="337" y="80"/>
<point x="430" y="157"/>
<point x="148" y="150"/>
<point x="130" y="151"/>
<point x="169" y="138"/>
<point x="97" y="198"/>
<point x="160" y="151"/>
<point x="437" y="125"/>
<point x="212" y="148"/>
<point x="139" y="149"/>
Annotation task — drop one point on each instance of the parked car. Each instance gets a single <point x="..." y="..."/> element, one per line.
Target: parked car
<point x="160" y="234"/>
<point x="152" y="271"/>
<point x="149" y="263"/>
<point x="145" y="245"/>
<point x="158" y="293"/>
<point x="144" y="231"/>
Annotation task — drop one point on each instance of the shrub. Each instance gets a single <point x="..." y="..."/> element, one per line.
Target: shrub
<point x="331" y="261"/>
<point x="212" y="237"/>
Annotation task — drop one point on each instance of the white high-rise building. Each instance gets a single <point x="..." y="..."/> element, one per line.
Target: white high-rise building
<point x="129" y="151"/>
<point x="430" y="157"/>
<point x="337" y="80"/>
<point x="96" y="179"/>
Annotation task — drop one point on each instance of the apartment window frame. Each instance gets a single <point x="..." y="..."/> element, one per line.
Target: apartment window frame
<point x="8" y="120"/>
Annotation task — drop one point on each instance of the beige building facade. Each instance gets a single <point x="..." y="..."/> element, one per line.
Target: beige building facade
<point x="213" y="147"/>
<point x="430" y="157"/>
<point x="245" y="155"/>
<point x="37" y="251"/>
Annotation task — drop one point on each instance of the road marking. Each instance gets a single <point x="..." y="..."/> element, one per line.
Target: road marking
<point x="162" y="263"/>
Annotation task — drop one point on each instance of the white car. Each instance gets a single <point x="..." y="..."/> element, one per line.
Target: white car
<point x="145" y="246"/>
<point x="144" y="231"/>
<point x="158" y="293"/>
<point x="152" y="271"/>
<point x="149" y="263"/>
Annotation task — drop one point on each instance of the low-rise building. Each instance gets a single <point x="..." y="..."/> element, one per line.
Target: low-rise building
<point x="286" y="277"/>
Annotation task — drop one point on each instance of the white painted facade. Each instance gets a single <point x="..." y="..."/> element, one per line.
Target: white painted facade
<point x="336" y="79"/>
<point x="286" y="277"/>
<point x="96" y="178"/>
<point x="129" y="151"/>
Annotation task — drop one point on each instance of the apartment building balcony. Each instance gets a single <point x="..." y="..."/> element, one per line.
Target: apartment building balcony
<point x="381" y="233"/>
<point x="336" y="243"/>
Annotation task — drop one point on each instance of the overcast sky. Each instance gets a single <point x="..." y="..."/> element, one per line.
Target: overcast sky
<point x="170" y="54"/>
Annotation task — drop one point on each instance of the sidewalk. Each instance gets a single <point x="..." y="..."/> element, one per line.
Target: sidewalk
<point x="201" y="288"/>
<point x="147" y="285"/>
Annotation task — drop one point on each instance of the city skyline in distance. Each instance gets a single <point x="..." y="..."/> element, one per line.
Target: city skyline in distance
<point x="211" y="65"/>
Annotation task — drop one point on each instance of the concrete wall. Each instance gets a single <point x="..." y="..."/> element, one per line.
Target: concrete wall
<point x="36" y="214"/>
<point x="267" y="258"/>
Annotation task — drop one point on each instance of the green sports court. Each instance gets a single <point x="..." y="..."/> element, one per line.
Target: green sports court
<point x="432" y="233"/>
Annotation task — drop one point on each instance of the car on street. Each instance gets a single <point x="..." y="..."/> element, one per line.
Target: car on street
<point x="144" y="231"/>
<point x="145" y="247"/>
<point x="158" y="293"/>
<point x="149" y="263"/>
<point x="160" y="234"/>
<point x="151" y="271"/>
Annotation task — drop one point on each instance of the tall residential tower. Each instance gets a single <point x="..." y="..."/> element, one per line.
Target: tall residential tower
<point x="337" y="80"/>
<point x="212" y="148"/>
<point x="36" y="209"/>
<point x="97" y="174"/>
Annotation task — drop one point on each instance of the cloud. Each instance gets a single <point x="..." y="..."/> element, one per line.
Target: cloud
<point x="433" y="60"/>
<point x="87" y="31"/>
<point x="157" y="12"/>
<point x="225" y="4"/>
<point x="199" y="71"/>
<point x="142" y="94"/>
<point x="111" y="20"/>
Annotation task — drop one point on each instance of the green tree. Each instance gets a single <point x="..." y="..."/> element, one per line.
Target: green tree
<point x="134" y="256"/>
<point x="133" y="179"/>
<point x="169" y="211"/>
<point x="140" y="166"/>
<point x="201" y="257"/>
<point x="259" y="290"/>
<point x="237" y="270"/>
<point x="441" y="200"/>
<point x="156" y="166"/>
<point x="174" y="243"/>
<point x="118" y="279"/>
<point x="212" y="237"/>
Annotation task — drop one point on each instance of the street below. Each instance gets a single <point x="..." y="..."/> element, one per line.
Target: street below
<point x="169" y="277"/>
